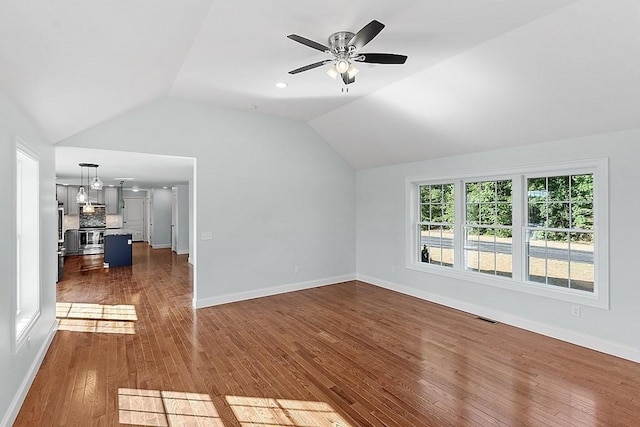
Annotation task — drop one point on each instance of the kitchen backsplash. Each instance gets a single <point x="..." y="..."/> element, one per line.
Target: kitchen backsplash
<point x="72" y="222"/>
<point x="96" y="218"/>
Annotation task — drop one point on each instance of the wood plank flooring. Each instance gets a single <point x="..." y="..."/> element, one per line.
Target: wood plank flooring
<point x="344" y="355"/>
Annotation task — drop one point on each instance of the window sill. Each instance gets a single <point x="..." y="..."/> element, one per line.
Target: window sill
<point x="539" y="289"/>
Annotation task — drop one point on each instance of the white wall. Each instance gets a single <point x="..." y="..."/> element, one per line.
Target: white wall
<point x="270" y="191"/>
<point x="18" y="369"/>
<point x="161" y="200"/>
<point x="380" y="219"/>
<point x="182" y="226"/>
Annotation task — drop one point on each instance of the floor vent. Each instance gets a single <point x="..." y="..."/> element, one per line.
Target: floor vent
<point x="484" y="319"/>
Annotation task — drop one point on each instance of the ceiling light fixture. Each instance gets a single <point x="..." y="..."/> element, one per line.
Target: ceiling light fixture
<point x="342" y="65"/>
<point x="81" y="196"/>
<point x="96" y="183"/>
<point x="344" y="47"/>
<point x="281" y="85"/>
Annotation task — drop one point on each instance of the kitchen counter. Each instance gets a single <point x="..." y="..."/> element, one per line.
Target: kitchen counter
<point x="117" y="231"/>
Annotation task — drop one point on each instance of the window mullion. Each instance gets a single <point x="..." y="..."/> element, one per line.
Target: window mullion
<point x="460" y="212"/>
<point x="518" y="203"/>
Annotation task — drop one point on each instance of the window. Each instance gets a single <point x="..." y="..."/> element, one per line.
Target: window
<point x="560" y="234"/>
<point x="27" y="226"/>
<point x="540" y="230"/>
<point x="488" y="234"/>
<point x="436" y="226"/>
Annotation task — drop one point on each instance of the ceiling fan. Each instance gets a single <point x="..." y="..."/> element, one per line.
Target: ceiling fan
<point x="344" y="46"/>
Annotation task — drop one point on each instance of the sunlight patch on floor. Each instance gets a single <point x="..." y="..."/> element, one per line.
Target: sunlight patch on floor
<point x="96" y="318"/>
<point x="252" y="411"/>
<point x="166" y="408"/>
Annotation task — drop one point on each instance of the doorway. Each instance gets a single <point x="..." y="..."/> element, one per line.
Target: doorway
<point x="133" y="217"/>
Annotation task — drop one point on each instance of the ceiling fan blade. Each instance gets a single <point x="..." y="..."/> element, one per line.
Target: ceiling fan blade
<point x="381" y="58"/>
<point x="310" y="66"/>
<point x="366" y="34"/>
<point x="307" y="42"/>
<point x="346" y="79"/>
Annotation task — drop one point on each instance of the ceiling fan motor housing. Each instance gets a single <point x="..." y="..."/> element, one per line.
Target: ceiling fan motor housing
<point x="338" y="43"/>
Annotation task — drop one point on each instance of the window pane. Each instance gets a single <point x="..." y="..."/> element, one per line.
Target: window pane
<point x="488" y="191"/>
<point x="424" y="193"/>
<point x="473" y="213"/>
<point x="487" y="214"/>
<point x="425" y="215"/>
<point x="503" y="191"/>
<point x="435" y="194"/>
<point x="436" y="245"/>
<point x="449" y="213"/>
<point x="558" y="188"/>
<point x="582" y="271"/>
<point x="436" y="213"/>
<point x="582" y="187"/>
<point x="558" y="215"/>
<point x="472" y="192"/>
<point x="489" y="250"/>
<point x="537" y="189"/>
<point x="504" y="214"/>
<point x="537" y="257"/>
<point x="582" y="215"/>
<point x="487" y="254"/>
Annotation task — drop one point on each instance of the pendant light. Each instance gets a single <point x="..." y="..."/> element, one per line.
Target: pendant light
<point x="121" y="195"/>
<point x="96" y="183"/>
<point x="81" y="196"/>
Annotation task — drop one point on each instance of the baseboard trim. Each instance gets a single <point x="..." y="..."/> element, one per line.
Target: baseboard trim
<point x="164" y="246"/>
<point x="562" y="334"/>
<point x="259" y="293"/>
<point x="12" y="413"/>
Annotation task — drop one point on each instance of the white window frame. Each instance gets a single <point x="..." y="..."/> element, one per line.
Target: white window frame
<point x="23" y="321"/>
<point x="599" y="167"/>
<point x="420" y="222"/>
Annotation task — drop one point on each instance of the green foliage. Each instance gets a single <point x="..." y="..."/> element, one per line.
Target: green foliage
<point x="562" y="202"/>
<point x="489" y="203"/>
<point x="437" y="203"/>
<point x="557" y="203"/>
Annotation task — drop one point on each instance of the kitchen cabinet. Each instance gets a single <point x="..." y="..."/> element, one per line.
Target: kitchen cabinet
<point x="71" y="242"/>
<point x="72" y="205"/>
<point x="66" y="196"/>
<point x="112" y="200"/>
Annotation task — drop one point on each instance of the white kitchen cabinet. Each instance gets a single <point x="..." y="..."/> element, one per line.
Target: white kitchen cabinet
<point x="71" y="208"/>
<point x="66" y="196"/>
<point x="112" y="200"/>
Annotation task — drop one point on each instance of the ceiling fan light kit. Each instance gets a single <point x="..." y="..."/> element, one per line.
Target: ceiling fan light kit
<point x="344" y="46"/>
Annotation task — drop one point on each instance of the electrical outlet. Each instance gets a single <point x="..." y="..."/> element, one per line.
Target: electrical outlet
<point x="575" y="310"/>
<point x="296" y="269"/>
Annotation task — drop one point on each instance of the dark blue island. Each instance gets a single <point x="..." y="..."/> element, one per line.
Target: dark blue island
<point x="117" y="248"/>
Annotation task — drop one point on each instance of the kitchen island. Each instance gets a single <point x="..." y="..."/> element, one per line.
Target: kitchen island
<point x="117" y="247"/>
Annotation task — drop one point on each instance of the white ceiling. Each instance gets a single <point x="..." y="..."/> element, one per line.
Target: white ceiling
<point x="481" y="74"/>
<point x="145" y="171"/>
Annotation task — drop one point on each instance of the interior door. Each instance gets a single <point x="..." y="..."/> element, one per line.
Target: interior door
<point x="133" y="218"/>
<point x="174" y="219"/>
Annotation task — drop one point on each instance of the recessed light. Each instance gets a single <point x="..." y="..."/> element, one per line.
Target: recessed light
<point x="281" y="85"/>
<point x="253" y="107"/>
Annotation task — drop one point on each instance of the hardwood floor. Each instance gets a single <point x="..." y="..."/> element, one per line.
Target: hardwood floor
<point x="344" y="355"/>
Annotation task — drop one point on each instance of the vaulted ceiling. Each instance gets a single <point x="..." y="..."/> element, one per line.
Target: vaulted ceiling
<point x="481" y="74"/>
